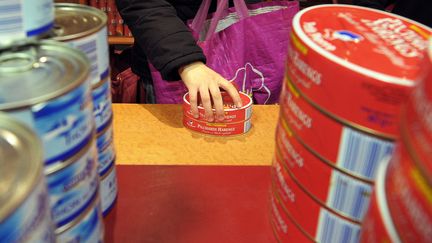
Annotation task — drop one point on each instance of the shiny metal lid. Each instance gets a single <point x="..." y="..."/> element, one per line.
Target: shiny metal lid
<point x="39" y="72"/>
<point x="74" y="21"/>
<point x="21" y="163"/>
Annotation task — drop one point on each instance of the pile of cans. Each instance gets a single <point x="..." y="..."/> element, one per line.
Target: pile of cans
<point x="401" y="207"/>
<point x="237" y="121"/>
<point x="62" y="93"/>
<point x="349" y="70"/>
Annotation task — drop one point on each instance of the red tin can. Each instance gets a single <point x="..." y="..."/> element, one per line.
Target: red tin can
<point x="409" y="197"/>
<point x="316" y="220"/>
<point x="336" y="189"/>
<point x="356" y="63"/>
<point x="347" y="148"/>
<point x="232" y="114"/>
<point x="218" y="129"/>
<point x="378" y="225"/>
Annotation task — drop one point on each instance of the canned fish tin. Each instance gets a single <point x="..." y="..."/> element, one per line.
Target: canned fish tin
<point x="106" y="151"/>
<point x="45" y="86"/>
<point x="335" y="189"/>
<point x="108" y="189"/>
<point x="356" y="63"/>
<point x="409" y="197"/>
<point x="84" y="28"/>
<point x="23" y="20"/>
<point x="316" y="220"/>
<point x="73" y="185"/>
<point x="88" y="227"/>
<point x="218" y="129"/>
<point x="232" y="114"/>
<point x="102" y="104"/>
<point x="25" y="215"/>
<point x="348" y="148"/>
<point x="378" y="226"/>
<point x="284" y="228"/>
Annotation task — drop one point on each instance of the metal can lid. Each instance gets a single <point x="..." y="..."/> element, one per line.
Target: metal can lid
<point x="38" y="72"/>
<point x="21" y="163"/>
<point x="74" y="21"/>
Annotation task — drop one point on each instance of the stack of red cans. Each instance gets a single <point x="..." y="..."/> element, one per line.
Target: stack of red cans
<point x="402" y="206"/>
<point x="349" y="70"/>
<point x="237" y="121"/>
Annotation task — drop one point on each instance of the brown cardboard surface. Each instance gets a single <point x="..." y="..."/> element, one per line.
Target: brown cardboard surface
<point x="154" y="134"/>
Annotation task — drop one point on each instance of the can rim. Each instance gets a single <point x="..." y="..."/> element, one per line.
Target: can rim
<point x="242" y="94"/>
<point x="351" y="66"/>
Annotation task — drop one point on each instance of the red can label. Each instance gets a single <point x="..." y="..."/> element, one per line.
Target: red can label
<point x="316" y="220"/>
<point x="356" y="63"/>
<point x="409" y="198"/>
<point x="346" y="147"/>
<point x="232" y="114"/>
<point x="218" y="129"/>
<point x="337" y="190"/>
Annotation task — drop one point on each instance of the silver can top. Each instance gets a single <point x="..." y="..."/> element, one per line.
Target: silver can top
<point x="73" y="21"/>
<point x="21" y="163"/>
<point x="38" y="72"/>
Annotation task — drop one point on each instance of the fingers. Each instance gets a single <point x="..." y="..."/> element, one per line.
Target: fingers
<point x="218" y="102"/>
<point x="206" y="101"/>
<point x="193" y="99"/>
<point x="232" y="91"/>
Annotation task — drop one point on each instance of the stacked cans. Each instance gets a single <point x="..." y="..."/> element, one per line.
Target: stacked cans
<point x="401" y="210"/>
<point x="237" y="121"/>
<point x="85" y="28"/>
<point x="25" y="215"/>
<point x="349" y="70"/>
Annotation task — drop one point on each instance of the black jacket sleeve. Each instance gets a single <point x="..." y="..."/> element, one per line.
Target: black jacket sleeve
<point x="161" y="35"/>
<point x="377" y="4"/>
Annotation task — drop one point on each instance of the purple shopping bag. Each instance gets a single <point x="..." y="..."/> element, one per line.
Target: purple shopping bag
<point x="246" y="44"/>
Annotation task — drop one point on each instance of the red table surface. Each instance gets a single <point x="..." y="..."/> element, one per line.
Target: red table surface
<point x="188" y="204"/>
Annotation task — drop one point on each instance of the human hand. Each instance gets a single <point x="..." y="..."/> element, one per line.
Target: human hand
<point x="201" y="79"/>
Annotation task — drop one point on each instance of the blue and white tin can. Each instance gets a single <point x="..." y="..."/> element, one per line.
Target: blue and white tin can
<point x="108" y="189"/>
<point x="73" y="185"/>
<point x="46" y="86"/>
<point x="102" y="104"/>
<point x="85" y="28"/>
<point x="25" y="215"/>
<point x="87" y="228"/>
<point x="106" y="151"/>
<point x="23" y="20"/>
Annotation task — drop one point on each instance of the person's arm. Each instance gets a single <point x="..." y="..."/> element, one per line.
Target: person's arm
<point x="170" y="47"/>
<point x="377" y="4"/>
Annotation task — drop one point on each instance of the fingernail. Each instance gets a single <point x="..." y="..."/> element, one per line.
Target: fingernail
<point x="220" y="118"/>
<point x="196" y="116"/>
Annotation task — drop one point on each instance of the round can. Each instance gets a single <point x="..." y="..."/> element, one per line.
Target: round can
<point x="88" y="227"/>
<point x="409" y="197"/>
<point x="316" y="220"/>
<point x="335" y="189"/>
<point x="45" y="86"/>
<point x="232" y="114"/>
<point x="22" y="21"/>
<point x="108" y="189"/>
<point x="284" y="228"/>
<point x="25" y="214"/>
<point x="84" y="28"/>
<point x="218" y="129"/>
<point x="348" y="148"/>
<point x="106" y="151"/>
<point x="102" y="104"/>
<point x="378" y="226"/>
<point x="73" y="185"/>
<point x="356" y="63"/>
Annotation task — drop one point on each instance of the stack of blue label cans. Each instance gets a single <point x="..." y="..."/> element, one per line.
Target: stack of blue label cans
<point x="49" y="86"/>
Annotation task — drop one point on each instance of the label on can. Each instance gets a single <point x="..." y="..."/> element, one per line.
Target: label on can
<point x="102" y="105"/>
<point x="64" y="124"/>
<point x="108" y="189"/>
<point x="218" y="129"/>
<point x="31" y="221"/>
<point x="89" y="228"/>
<point x="95" y="47"/>
<point x="74" y="187"/>
<point x="106" y="159"/>
<point x="24" y="18"/>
